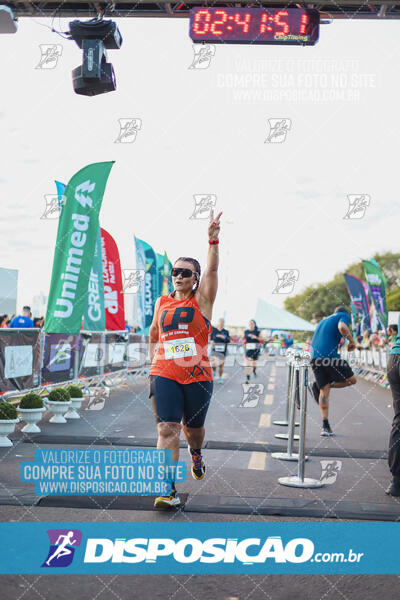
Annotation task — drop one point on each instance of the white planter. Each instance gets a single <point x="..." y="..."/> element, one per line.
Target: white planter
<point x="76" y="404"/>
<point x="59" y="409"/>
<point x="7" y="426"/>
<point x="31" y="416"/>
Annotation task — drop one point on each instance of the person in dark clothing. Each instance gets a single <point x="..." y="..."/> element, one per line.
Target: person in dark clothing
<point x="219" y="341"/>
<point x="393" y="375"/>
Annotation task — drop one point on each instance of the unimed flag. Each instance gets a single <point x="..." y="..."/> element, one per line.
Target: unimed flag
<point x="377" y="284"/>
<point x="74" y="251"/>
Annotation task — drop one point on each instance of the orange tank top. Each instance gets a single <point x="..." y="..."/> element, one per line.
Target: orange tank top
<point x="183" y="341"/>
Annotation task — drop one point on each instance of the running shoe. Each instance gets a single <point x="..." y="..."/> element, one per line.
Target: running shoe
<point x="170" y="501"/>
<point x="315" y="392"/>
<point x="220" y="380"/>
<point x="198" y="466"/>
<point x="326" y="430"/>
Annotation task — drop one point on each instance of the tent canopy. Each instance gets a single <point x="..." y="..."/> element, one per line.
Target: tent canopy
<point x="269" y="316"/>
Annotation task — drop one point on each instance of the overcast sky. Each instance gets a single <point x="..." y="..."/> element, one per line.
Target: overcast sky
<point x="205" y="131"/>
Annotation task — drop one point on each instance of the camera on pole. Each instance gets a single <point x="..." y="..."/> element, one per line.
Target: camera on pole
<point x="96" y="75"/>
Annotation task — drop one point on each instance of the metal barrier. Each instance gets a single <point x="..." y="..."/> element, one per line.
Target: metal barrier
<point x="369" y="363"/>
<point x="293" y="357"/>
<point x="298" y="396"/>
<point x="33" y="360"/>
<point x="285" y="422"/>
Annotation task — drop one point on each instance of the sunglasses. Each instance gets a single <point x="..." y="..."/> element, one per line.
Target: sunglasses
<point x="184" y="272"/>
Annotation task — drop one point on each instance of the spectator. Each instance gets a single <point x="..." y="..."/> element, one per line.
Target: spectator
<point x="127" y="327"/>
<point x="366" y="341"/>
<point x="23" y="320"/>
<point x="392" y="334"/>
<point x="38" y="322"/>
<point x="3" y="321"/>
<point x="374" y="340"/>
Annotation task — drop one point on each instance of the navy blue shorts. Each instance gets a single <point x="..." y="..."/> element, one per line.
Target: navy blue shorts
<point x="174" y="402"/>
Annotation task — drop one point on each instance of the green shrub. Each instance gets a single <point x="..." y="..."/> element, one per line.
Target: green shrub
<point x="59" y="395"/>
<point x="75" y="391"/>
<point x="31" y="400"/>
<point x="7" y="411"/>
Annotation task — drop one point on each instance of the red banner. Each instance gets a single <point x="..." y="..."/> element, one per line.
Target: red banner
<point x="112" y="277"/>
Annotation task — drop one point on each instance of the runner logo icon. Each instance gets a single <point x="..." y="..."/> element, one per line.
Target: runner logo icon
<point x="62" y="547"/>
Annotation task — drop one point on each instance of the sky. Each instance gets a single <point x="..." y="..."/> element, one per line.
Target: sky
<point x="205" y="131"/>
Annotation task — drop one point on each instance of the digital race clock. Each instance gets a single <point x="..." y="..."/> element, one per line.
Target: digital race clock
<point x="254" y="25"/>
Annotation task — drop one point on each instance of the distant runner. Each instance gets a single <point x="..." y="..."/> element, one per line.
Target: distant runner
<point x="219" y="339"/>
<point x="252" y="341"/>
<point x="181" y="381"/>
<point x="329" y="369"/>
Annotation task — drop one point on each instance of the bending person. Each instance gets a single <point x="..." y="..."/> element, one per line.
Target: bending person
<point x="329" y="369"/>
<point x="181" y="381"/>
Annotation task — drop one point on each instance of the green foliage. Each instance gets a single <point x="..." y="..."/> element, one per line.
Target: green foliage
<point x="31" y="400"/>
<point x="7" y="411"/>
<point x="393" y="300"/>
<point x="320" y="300"/>
<point x="59" y="395"/>
<point x="75" y="391"/>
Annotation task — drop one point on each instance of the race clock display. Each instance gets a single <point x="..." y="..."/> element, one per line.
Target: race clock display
<point x="254" y="25"/>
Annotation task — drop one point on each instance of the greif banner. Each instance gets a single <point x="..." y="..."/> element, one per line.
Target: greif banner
<point x="74" y="251"/>
<point x="94" y="315"/>
<point x="140" y="266"/>
<point x="359" y="299"/>
<point x="377" y="284"/>
<point x="112" y="277"/>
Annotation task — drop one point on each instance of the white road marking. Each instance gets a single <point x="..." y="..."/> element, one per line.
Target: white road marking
<point x="258" y="460"/>
<point x="269" y="398"/>
<point x="265" y="420"/>
<point x="271" y="386"/>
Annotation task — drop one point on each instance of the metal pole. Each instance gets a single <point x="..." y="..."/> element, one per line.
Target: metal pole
<point x="300" y="481"/>
<point x="292" y="399"/>
<point x="285" y="422"/>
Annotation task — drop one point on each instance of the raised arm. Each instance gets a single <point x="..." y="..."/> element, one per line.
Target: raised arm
<point x="207" y="291"/>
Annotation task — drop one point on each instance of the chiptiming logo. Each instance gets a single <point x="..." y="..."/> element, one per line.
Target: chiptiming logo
<point x="62" y="547"/>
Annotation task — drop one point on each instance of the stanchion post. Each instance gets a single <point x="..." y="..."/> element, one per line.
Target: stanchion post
<point x="300" y="481"/>
<point x="285" y="423"/>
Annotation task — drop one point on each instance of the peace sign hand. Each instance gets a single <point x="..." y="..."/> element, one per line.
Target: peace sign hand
<point x="214" y="226"/>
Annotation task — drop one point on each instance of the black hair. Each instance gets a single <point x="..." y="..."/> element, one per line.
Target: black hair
<point x="196" y="267"/>
<point x="394" y="328"/>
<point x="341" y="309"/>
<point x="255" y="325"/>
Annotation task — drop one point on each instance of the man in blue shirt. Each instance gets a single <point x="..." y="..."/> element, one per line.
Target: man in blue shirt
<point x="329" y="369"/>
<point x="24" y="320"/>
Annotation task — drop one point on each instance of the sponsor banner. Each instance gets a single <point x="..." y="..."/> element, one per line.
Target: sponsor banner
<point x="150" y="286"/>
<point x="199" y="548"/>
<point x="92" y="354"/>
<point x="94" y="314"/>
<point x="359" y="299"/>
<point x="74" y="251"/>
<point x="163" y="274"/>
<point x="112" y="277"/>
<point x="60" y="193"/>
<point x="170" y="284"/>
<point x="140" y="266"/>
<point x="138" y="351"/>
<point x="377" y="284"/>
<point x="19" y="359"/>
<point x="116" y="346"/>
<point x="59" y="357"/>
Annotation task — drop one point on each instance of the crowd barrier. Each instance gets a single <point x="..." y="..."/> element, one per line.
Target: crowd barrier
<point x="31" y="359"/>
<point x="369" y="364"/>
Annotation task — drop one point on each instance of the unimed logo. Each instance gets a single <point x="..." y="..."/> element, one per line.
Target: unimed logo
<point x="191" y="550"/>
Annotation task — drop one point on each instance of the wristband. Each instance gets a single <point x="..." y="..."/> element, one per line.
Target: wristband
<point x="212" y="242"/>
